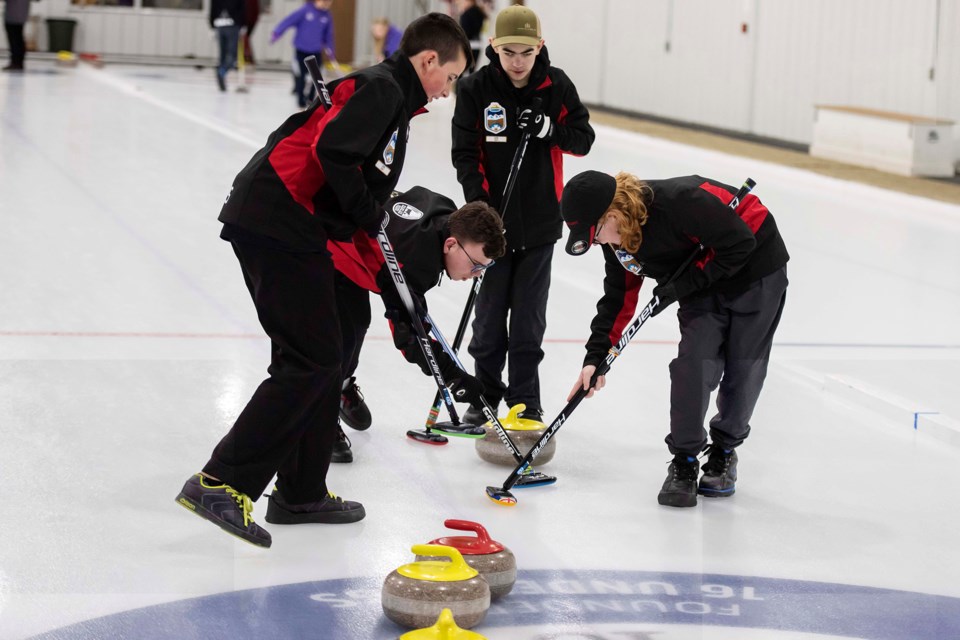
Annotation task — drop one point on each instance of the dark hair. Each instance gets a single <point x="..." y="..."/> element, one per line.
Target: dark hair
<point x="478" y="222"/>
<point x="438" y="32"/>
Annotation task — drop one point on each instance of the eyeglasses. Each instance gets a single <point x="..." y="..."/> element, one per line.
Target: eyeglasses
<point x="596" y="236"/>
<point x="477" y="267"/>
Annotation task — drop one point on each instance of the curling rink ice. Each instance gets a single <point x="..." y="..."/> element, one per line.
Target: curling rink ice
<point x="128" y="344"/>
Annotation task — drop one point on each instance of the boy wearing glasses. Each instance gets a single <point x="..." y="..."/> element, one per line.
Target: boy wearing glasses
<point x="495" y="107"/>
<point x="430" y="238"/>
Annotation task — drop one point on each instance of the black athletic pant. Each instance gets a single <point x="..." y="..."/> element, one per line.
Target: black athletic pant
<point x="725" y="340"/>
<point x="18" y="47"/>
<point x="353" y="307"/>
<point x="516" y="286"/>
<point x="290" y="424"/>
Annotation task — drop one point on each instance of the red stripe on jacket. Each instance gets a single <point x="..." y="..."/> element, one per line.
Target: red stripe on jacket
<point x="295" y="159"/>
<point x="632" y="293"/>
<point x="750" y="209"/>
<point x="358" y="259"/>
<point x="556" y="157"/>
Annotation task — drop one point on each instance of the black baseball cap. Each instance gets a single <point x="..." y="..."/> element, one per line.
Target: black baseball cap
<point x="585" y="199"/>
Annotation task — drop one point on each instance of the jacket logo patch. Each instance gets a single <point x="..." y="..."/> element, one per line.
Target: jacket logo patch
<point x="390" y="149"/>
<point x="494" y="118"/>
<point x="407" y="211"/>
<point x="629" y="262"/>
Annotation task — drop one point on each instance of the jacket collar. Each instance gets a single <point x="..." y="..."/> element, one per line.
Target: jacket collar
<point x="406" y="76"/>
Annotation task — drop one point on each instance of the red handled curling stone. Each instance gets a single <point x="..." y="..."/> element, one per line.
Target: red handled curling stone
<point x="524" y="434"/>
<point x="415" y="594"/>
<point x="495" y="562"/>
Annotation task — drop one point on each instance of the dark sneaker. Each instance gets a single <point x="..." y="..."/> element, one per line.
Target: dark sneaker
<point x="474" y="415"/>
<point x="221" y="81"/>
<point x="719" y="473"/>
<point x="353" y="410"/>
<point x="531" y="414"/>
<point x="680" y="487"/>
<point x="224" y="506"/>
<point x="341" y="448"/>
<point x="330" y="510"/>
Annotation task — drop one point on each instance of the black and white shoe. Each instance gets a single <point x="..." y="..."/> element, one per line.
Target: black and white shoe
<point x="353" y="410"/>
<point x="680" y="487"/>
<point x="719" y="478"/>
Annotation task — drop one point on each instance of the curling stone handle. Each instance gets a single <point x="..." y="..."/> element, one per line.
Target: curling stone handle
<point x="456" y="560"/>
<point x="467" y="525"/>
<point x="513" y="415"/>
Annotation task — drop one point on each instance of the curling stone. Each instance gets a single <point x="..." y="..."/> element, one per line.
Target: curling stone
<point x="415" y="594"/>
<point x="524" y="434"/>
<point x="494" y="561"/>
<point x="445" y="629"/>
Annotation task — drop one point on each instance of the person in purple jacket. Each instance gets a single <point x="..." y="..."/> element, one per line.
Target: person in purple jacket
<point x="314" y="37"/>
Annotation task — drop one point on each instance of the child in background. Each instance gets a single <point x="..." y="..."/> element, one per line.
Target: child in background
<point x="314" y="37"/>
<point x="386" y="38"/>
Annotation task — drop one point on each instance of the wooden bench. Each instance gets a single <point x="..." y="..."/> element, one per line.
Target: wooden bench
<point x="895" y="142"/>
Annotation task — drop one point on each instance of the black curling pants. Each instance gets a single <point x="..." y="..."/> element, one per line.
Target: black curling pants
<point x="511" y="318"/>
<point x="725" y="340"/>
<point x="353" y="307"/>
<point x="289" y="426"/>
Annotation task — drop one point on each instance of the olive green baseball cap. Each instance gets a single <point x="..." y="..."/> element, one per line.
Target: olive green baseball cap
<point x="517" y="25"/>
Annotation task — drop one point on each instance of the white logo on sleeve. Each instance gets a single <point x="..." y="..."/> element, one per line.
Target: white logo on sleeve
<point x="406" y="211"/>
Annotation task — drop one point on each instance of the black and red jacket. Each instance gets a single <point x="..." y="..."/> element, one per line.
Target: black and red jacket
<point x="485" y="137"/>
<point x="323" y="173"/>
<point x="417" y="228"/>
<point x="742" y="246"/>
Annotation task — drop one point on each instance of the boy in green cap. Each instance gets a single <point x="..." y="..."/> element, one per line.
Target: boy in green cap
<point x="518" y="93"/>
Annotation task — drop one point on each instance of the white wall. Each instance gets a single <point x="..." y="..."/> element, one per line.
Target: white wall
<point x="691" y="60"/>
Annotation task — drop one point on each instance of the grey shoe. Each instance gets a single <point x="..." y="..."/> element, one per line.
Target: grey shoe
<point x="224" y="506"/>
<point x="719" y="478"/>
<point x="680" y="487"/>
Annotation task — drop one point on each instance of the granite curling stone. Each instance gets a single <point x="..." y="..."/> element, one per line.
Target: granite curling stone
<point x="524" y="434"/>
<point x="415" y="594"/>
<point x="445" y="629"/>
<point x="495" y="562"/>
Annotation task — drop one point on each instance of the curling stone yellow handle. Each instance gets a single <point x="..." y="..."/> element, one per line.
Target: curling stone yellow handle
<point x="438" y="570"/>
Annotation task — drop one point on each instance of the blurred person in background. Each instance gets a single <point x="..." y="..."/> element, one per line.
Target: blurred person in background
<point x="226" y="18"/>
<point x="314" y="37"/>
<point x="386" y="38"/>
<point x="472" y="17"/>
<point x="252" y="15"/>
<point x="14" y="17"/>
